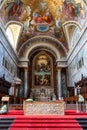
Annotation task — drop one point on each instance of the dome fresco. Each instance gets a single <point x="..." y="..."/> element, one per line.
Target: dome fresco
<point x="40" y="11"/>
<point x="43" y="16"/>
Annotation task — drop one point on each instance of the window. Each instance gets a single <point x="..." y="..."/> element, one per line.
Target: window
<point x="7" y="65"/>
<point x="80" y="63"/>
<point x="13" y="32"/>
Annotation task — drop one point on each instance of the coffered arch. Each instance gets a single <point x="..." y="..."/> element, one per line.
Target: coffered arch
<point x="43" y="43"/>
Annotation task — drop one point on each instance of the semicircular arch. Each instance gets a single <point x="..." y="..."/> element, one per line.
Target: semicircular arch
<point x="49" y="44"/>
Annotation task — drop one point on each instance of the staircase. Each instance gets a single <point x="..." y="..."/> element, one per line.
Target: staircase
<point x="16" y="120"/>
<point x="82" y="122"/>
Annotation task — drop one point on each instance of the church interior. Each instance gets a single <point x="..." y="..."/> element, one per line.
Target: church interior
<point x="43" y="48"/>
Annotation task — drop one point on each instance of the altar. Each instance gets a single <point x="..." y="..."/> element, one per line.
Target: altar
<point x="43" y="108"/>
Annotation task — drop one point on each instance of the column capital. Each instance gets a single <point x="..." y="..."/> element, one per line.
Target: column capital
<point x="26" y="69"/>
<point x="59" y="68"/>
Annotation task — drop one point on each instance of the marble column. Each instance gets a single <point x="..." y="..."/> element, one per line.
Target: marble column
<point x="75" y="91"/>
<point x="26" y="83"/>
<point x="59" y="83"/>
<point x="14" y="93"/>
<point x="67" y="75"/>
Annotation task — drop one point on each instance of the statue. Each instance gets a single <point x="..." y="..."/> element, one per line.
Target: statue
<point x="53" y="97"/>
<point x="31" y="95"/>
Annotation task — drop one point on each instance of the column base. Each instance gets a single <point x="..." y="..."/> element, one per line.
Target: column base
<point x="60" y="98"/>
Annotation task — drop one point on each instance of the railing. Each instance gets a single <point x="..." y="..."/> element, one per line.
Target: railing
<point x="77" y="106"/>
<point x="15" y="106"/>
<point x="71" y="99"/>
<point x="75" y="98"/>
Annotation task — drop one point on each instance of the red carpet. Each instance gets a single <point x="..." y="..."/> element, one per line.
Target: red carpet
<point x="44" y="122"/>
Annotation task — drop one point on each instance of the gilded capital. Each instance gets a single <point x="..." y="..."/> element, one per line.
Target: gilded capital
<point x="59" y="68"/>
<point x="26" y="69"/>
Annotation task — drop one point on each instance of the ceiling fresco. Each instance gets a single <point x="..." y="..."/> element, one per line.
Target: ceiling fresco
<point x="43" y="16"/>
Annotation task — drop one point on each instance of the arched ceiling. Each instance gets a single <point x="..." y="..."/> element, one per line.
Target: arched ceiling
<point x="43" y="16"/>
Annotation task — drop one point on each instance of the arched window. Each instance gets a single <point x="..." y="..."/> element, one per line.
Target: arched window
<point x="13" y="31"/>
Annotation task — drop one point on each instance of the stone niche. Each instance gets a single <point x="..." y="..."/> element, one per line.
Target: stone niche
<point x="43" y="108"/>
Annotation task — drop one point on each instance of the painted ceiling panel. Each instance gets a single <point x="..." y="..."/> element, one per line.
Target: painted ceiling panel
<point x="43" y="16"/>
<point x="60" y="9"/>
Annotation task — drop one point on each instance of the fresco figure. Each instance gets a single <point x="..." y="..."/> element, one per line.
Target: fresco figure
<point x="85" y="1"/>
<point x="14" y="7"/>
<point x="26" y="24"/>
<point x="44" y="81"/>
<point x="1" y="1"/>
<point x="43" y="66"/>
<point x="48" y="17"/>
<point x="58" y="23"/>
<point x="64" y="8"/>
<point x="78" y="9"/>
<point x="28" y="9"/>
<point x="37" y="80"/>
<point x="85" y="9"/>
<point x="38" y="18"/>
<point x="32" y="31"/>
<point x="43" y="5"/>
<point x="25" y="12"/>
<point x="11" y="8"/>
<point x="71" y="10"/>
<point x="20" y="8"/>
